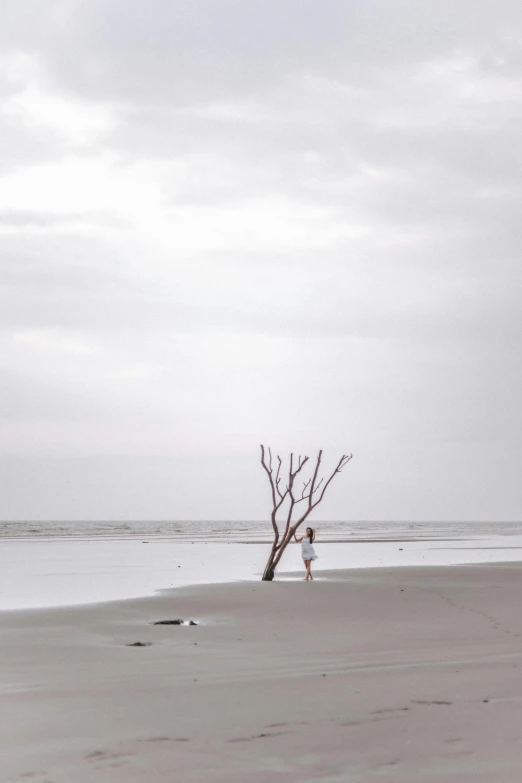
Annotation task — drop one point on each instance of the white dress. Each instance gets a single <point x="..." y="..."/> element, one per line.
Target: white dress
<point x="307" y="550"/>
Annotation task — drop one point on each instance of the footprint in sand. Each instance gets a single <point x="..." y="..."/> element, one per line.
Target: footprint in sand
<point x="258" y="736"/>
<point x="438" y="703"/>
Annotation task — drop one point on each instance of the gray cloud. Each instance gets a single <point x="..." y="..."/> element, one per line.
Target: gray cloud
<point x="195" y="50"/>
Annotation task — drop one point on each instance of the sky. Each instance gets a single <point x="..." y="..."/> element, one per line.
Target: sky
<point x="260" y="221"/>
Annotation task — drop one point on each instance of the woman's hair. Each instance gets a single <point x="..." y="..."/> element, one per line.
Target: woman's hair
<point x="310" y="534"/>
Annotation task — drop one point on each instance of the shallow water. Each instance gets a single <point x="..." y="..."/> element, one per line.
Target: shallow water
<point x="74" y="563"/>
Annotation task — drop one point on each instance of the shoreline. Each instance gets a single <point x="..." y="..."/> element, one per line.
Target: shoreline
<point x="333" y="575"/>
<point x="406" y="674"/>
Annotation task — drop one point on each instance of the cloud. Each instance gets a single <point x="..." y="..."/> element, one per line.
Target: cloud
<point x="222" y="222"/>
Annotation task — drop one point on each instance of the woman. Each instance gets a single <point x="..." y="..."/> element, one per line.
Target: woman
<point x="307" y="551"/>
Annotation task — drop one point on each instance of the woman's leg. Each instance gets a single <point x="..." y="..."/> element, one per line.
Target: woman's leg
<point x="310" y="570"/>
<point x="308" y="563"/>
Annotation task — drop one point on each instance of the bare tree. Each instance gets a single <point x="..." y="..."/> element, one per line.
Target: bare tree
<point x="286" y="500"/>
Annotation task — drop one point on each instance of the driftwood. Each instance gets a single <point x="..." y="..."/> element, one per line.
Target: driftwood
<point x="286" y="499"/>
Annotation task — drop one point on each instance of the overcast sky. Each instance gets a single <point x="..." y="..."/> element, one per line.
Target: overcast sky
<point x="226" y="222"/>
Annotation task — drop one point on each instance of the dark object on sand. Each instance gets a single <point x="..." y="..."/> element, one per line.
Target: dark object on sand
<point x="168" y="622"/>
<point x="140" y="644"/>
<point x="174" y="622"/>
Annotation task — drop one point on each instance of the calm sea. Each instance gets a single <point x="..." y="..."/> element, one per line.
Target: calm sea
<point x="239" y="531"/>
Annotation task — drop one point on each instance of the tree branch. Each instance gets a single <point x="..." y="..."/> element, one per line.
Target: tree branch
<point x="314" y="478"/>
<point x="278" y="479"/>
<point x="276" y="505"/>
<point x="301" y="462"/>
<point x="309" y="494"/>
<point x="345" y="459"/>
<point x="268" y="472"/>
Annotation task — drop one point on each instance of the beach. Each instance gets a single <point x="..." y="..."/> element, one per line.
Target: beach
<point x="260" y="281"/>
<point x="398" y="674"/>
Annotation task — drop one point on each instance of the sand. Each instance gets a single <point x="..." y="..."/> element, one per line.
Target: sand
<point x="396" y="675"/>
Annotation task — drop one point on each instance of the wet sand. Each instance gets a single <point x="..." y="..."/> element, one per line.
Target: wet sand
<point x="404" y="674"/>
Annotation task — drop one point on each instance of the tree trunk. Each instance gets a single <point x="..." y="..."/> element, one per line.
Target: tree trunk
<point x="269" y="572"/>
<point x="273" y="561"/>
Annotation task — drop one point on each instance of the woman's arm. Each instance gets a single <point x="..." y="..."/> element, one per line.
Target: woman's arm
<point x="298" y="539"/>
